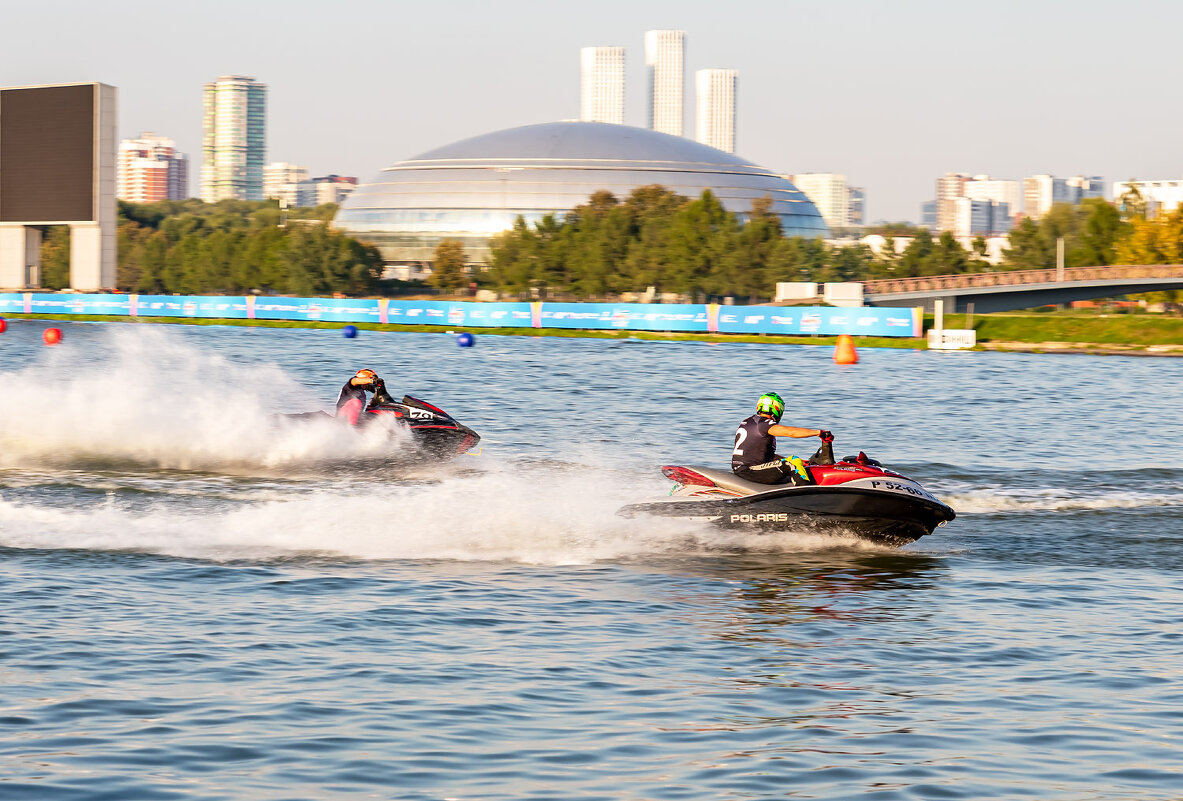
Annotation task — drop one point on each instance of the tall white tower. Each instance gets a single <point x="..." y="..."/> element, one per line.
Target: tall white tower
<point x="601" y="84"/>
<point x="714" y="108"/>
<point x="234" y="139"/>
<point x="664" y="56"/>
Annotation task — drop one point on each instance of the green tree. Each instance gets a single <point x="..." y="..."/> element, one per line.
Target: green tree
<point x="447" y="268"/>
<point x="55" y="257"/>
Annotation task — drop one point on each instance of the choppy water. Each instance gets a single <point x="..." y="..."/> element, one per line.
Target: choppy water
<point x="192" y="609"/>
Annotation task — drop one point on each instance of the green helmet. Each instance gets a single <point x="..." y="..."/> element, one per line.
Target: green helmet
<point x="771" y="404"/>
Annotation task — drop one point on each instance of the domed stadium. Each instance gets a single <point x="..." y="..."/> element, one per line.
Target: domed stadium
<point x="473" y="189"/>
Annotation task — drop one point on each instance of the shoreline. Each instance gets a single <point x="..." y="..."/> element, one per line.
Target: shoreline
<point x="901" y="343"/>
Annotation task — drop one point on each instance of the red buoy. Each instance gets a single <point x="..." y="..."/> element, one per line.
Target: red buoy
<point x="3" y="325"/>
<point x="51" y="336"/>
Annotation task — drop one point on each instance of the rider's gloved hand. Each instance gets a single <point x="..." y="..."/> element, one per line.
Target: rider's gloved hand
<point x="826" y="436"/>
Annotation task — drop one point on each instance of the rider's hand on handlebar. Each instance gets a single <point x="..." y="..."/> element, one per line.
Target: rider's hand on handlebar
<point x="826" y="436"/>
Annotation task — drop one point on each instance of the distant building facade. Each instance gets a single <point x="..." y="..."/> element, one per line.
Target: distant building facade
<point x="857" y="205"/>
<point x="601" y="96"/>
<point x="282" y="181"/>
<point x="829" y="193"/>
<point x="326" y="189"/>
<point x="714" y="108"/>
<point x="234" y="139"/>
<point x="1159" y="197"/>
<point x="1010" y="193"/>
<point x="150" y="169"/>
<point x="928" y="214"/>
<point x="950" y="186"/>
<point x="664" y="59"/>
<point x="1083" y="187"/>
<point x="1041" y="192"/>
<point x="980" y="217"/>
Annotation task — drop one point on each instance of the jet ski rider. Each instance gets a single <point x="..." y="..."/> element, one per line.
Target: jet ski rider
<point x="754" y="457"/>
<point x="352" y="400"/>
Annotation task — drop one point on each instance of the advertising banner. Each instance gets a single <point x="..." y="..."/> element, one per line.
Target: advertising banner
<point x="459" y="313"/>
<point x="688" y="317"/>
<point x="625" y="316"/>
<point x="864" y="321"/>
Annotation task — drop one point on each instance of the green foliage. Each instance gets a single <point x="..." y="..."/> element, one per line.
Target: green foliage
<point x="55" y="257"/>
<point x="1092" y="232"/>
<point x="447" y="268"/>
<point x="655" y="238"/>
<point x="232" y="247"/>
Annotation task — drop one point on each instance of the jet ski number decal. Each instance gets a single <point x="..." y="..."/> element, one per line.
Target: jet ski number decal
<point x="899" y="486"/>
<point x="418" y="414"/>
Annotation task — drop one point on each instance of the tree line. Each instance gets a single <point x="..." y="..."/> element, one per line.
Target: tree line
<point x="657" y="238"/>
<point x="230" y="247"/>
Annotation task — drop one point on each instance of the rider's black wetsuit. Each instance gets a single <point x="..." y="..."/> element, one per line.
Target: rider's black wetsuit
<point x="754" y="456"/>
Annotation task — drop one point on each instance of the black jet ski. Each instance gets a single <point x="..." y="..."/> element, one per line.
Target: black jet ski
<point x="856" y="495"/>
<point x="433" y="431"/>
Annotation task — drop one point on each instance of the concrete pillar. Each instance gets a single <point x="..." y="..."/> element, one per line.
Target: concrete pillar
<point x="92" y="256"/>
<point x="20" y="255"/>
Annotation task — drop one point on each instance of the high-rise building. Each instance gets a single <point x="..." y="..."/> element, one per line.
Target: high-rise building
<point x="983" y="187"/>
<point x="151" y="169"/>
<point x="714" y="108"/>
<point x="234" y="142"/>
<point x="829" y="193"/>
<point x="950" y="186"/>
<point x="601" y="95"/>
<point x="664" y="57"/>
<point x="281" y="180"/>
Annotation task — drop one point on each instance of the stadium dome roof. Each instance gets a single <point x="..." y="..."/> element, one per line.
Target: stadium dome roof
<point x="472" y="189"/>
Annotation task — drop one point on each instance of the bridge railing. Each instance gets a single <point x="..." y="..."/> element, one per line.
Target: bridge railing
<point x="929" y="283"/>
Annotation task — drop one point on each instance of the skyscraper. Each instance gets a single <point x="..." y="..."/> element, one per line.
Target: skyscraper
<point x="714" y="108"/>
<point x="601" y="84"/>
<point x="234" y="141"/>
<point x="151" y="169"/>
<point x="664" y="53"/>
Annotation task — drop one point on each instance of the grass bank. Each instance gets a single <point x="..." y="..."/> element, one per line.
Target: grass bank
<point x="1110" y="329"/>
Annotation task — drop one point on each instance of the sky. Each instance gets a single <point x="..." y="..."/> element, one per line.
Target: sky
<point x="892" y="94"/>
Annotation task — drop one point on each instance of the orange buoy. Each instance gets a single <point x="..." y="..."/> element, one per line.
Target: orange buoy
<point x="51" y="336"/>
<point x="845" y="352"/>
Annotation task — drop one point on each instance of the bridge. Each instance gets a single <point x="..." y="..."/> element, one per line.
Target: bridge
<point x="1022" y="289"/>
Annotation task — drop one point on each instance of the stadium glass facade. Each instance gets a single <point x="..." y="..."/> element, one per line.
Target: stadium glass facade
<point x="474" y="189"/>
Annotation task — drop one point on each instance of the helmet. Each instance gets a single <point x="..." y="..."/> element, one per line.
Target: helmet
<point x="366" y="375"/>
<point x="771" y="404"/>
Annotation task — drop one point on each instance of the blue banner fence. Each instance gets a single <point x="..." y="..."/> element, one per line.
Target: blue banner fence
<point x="690" y="317"/>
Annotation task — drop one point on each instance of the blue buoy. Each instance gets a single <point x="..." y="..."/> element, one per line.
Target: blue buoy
<point x="466" y="340"/>
<point x="349" y="331"/>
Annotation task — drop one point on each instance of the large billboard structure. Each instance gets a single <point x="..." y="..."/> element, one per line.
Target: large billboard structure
<point x="57" y="167"/>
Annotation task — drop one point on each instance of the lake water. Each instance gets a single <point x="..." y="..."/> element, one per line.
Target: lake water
<point x="192" y="608"/>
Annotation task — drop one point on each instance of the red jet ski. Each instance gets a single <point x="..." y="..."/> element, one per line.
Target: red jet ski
<point x="856" y="495"/>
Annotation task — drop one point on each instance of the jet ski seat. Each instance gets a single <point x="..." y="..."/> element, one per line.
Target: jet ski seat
<point x="727" y="480"/>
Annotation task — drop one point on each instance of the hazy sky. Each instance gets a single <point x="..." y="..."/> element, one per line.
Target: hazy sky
<point x="890" y="93"/>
